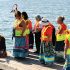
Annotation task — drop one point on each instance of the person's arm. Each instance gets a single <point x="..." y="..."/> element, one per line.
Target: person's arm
<point x="39" y="28"/>
<point x="13" y="33"/>
<point x="59" y="29"/>
<point x="23" y="25"/>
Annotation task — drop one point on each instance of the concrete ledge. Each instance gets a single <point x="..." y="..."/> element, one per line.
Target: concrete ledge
<point x="5" y="67"/>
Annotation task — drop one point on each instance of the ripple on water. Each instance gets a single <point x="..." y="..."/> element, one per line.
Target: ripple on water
<point x="50" y="9"/>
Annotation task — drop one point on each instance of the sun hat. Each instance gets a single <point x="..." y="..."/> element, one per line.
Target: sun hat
<point x="44" y="21"/>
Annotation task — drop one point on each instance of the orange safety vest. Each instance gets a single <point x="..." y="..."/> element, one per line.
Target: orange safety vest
<point x="29" y="24"/>
<point x="36" y="25"/>
<point x="18" y="29"/>
<point x="43" y="33"/>
<point x="63" y="28"/>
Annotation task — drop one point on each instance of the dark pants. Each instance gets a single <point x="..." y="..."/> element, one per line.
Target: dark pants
<point x="59" y="46"/>
<point x="53" y="37"/>
<point x="31" y="40"/>
<point x="38" y="40"/>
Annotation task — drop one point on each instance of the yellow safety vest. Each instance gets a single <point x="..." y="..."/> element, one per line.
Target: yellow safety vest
<point x="18" y="32"/>
<point x="26" y="32"/>
<point x="60" y="37"/>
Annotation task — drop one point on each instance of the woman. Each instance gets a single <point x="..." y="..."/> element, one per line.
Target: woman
<point x="29" y="26"/>
<point x="60" y="37"/>
<point x="46" y="50"/>
<point x="61" y="30"/>
<point x="20" y="49"/>
<point x="37" y="32"/>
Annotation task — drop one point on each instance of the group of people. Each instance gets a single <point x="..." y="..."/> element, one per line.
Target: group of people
<point x="48" y="41"/>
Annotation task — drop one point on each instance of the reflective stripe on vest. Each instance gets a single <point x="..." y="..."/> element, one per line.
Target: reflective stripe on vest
<point x="36" y="25"/>
<point x="18" y="30"/>
<point x="26" y="32"/>
<point x="43" y="31"/>
<point x="44" y="36"/>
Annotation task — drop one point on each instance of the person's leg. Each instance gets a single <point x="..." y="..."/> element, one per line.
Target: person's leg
<point x="38" y="41"/>
<point x="31" y="40"/>
<point x="41" y="55"/>
<point x="38" y="45"/>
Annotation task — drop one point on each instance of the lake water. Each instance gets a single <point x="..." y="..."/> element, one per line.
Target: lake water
<point x="50" y="9"/>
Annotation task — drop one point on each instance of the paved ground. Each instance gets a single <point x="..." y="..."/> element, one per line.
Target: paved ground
<point x="5" y="67"/>
<point x="30" y="63"/>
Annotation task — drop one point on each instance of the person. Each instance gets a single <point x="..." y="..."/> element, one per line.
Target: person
<point x="37" y="32"/>
<point x="46" y="48"/>
<point x="20" y="50"/>
<point x="67" y="51"/>
<point x="60" y="34"/>
<point x="3" y="52"/>
<point x="29" y="26"/>
<point x="60" y="37"/>
<point x="53" y="33"/>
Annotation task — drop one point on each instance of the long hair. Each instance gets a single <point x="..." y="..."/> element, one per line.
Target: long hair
<point x="25" y="15"/>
